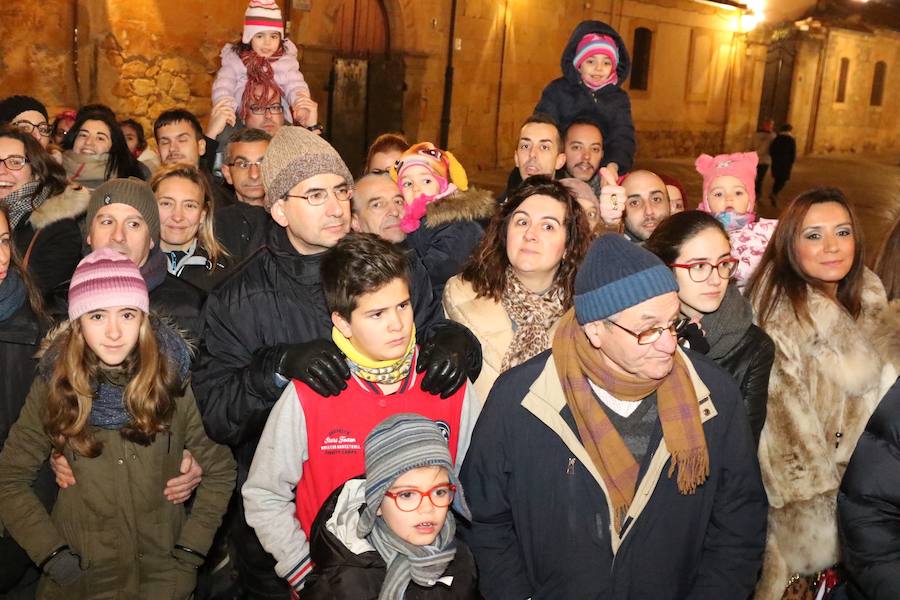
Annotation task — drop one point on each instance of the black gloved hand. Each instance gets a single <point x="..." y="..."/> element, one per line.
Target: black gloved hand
<point x="451" y="354"/>
<point x="64" y="568"/>
<point x="319" y="364"/>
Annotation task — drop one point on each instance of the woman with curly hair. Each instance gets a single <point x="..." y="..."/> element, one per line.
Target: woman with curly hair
<point x="519" y="281"/>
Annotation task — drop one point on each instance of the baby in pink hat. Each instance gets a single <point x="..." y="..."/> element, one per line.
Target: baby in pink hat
<point x="729" y="195"/>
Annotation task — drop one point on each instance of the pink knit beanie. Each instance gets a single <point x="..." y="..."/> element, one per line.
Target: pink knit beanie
<point x="106" y="278"/>
<point x="740" y="164"/>
<point x="262" y="15"/>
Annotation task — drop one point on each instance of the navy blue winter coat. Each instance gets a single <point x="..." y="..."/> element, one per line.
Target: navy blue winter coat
<point x="869" y="506"/>
<point x="567" y="98"/>
<point x="540" y="519"/>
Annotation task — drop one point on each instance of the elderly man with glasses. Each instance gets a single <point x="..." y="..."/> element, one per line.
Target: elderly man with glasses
<point x="616" y="465"/>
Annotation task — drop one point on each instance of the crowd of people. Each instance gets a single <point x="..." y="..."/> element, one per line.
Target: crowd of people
<point x="233" y="370"/>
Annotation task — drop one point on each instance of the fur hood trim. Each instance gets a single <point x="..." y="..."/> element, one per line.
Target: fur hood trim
<point x="471" y="205"/>
<point x="72" y="203"/>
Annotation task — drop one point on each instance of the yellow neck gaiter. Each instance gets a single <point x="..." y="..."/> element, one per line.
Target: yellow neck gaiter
<point x="376" y="371"/>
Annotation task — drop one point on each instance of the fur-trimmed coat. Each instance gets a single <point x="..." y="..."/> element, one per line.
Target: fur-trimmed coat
<point x="57" y="249"/>
<point x="450" y="232"/>
<point x="828" y="377"/>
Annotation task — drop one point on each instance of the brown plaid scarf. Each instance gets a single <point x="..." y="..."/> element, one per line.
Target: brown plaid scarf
<point x="261" y="86"/>
<point x="577" y="361"/>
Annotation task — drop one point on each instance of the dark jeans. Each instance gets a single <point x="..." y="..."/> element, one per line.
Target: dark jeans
<point x="780" y="181"/>
<point x="255" y="566"/>
<point x="760" y="177"/>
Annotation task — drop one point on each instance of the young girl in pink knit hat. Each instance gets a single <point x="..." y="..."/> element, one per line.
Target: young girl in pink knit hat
<point x="261" y="68"/>
<point x="729" y="195"/>
<point x="111" y="394"/>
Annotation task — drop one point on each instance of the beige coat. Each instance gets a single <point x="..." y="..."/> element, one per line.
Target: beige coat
<point x="487" y="319"/>
<point x="828" y="377"/>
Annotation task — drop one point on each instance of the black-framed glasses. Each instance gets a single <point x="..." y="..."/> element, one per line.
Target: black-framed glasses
<point x="14" y="162"/>
<point x="45" y="129"/>
<point x="243" y="164"/>
<point x="409" y="500"/>
<point x="320" y="197"/>
<point x="700" y="271"/>
<point x="272" y="109"/>
<point x="648" y="336"/>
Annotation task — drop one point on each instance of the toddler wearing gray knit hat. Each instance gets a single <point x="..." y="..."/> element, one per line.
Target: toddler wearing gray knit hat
<point x="295" y="154"/>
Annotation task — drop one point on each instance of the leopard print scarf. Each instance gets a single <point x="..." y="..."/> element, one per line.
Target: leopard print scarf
<point x="533" y="315"/>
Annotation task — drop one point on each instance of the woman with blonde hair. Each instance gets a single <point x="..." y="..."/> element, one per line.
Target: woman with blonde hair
<point x="834" y="360"/>
<point x="187" y="232"/>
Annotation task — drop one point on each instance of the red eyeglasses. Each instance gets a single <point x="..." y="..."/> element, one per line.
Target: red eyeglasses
<point x="409" y="500"/>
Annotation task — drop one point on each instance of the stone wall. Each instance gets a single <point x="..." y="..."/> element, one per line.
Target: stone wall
<point x="144" y="56"/>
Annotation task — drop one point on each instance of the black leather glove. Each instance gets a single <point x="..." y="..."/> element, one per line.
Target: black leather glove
<point x="319" y="364"/>
<point x="64" y="567"/>
<point x="450" y="355"/>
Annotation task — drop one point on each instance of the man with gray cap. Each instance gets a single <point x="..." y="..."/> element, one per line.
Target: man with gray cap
<point x="122" y="214"/>
<point x="268" y="323"/>
<point x="616" y="465"/>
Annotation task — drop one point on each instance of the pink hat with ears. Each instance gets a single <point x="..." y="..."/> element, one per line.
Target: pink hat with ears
<point x="740" y="164"/>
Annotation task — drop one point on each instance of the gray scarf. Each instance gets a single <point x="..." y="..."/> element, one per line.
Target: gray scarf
<point x="407" y="562"/>
<point x="726" y="327"/>
<point x="24" y="200"/>
<point x="12" y="294"/>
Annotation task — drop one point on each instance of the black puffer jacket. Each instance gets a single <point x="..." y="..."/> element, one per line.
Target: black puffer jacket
<point x="339" y="574"/>
<point x="242" y="228"/>
<point x="869" y="506"/>
<point x="274" y="298"/>
<point x="198" y="270"/>
<point x="53" y="233"/>
<point x="567" y="98"/>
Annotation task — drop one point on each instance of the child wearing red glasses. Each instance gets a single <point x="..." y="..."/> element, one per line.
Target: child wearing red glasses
<point x="392" y="534"/>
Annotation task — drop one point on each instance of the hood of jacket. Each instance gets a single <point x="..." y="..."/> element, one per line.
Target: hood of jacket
<point x="471" y="205"/>
<point x="599" y="27"/>
<point x="70" y="204"/>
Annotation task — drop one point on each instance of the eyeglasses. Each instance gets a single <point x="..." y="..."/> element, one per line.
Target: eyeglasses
<point x="320" y="197"/>
<point x="440" y="496"/>
<point x="700" y="271"/>
<point x="45" y="129"/>
<point x="272" y="109"/>
<point x="243" y="165"/>
<point x="14" y="162"/>
<point x="648" y="336"/>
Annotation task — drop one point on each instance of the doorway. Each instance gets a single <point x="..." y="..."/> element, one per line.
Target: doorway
<point x="776" y="91"/>
<point x="366" y="84"/>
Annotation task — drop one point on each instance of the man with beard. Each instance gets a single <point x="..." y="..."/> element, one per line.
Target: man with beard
<point x="539" y="151"/>
<point x="584" y="151"/>
<point x="646" y="204"/>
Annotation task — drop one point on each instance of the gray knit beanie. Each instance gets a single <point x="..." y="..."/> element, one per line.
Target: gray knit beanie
<point x="131" y="191"/>
<point x="617" y="274"/>
<point x="295" y="154"/>
<point x="398" y="444"/>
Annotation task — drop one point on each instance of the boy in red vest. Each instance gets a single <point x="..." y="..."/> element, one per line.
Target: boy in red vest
<point x="312" y="444"/>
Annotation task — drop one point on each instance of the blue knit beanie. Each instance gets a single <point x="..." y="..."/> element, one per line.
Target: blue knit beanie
<point x="617" y="274"/>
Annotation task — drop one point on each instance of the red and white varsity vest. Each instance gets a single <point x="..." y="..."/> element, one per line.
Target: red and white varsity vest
<point x="337" y="427"/>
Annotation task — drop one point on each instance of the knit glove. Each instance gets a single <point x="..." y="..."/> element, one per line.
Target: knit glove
<point x="64" y="568"/>
<point x="450" y="355"/>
